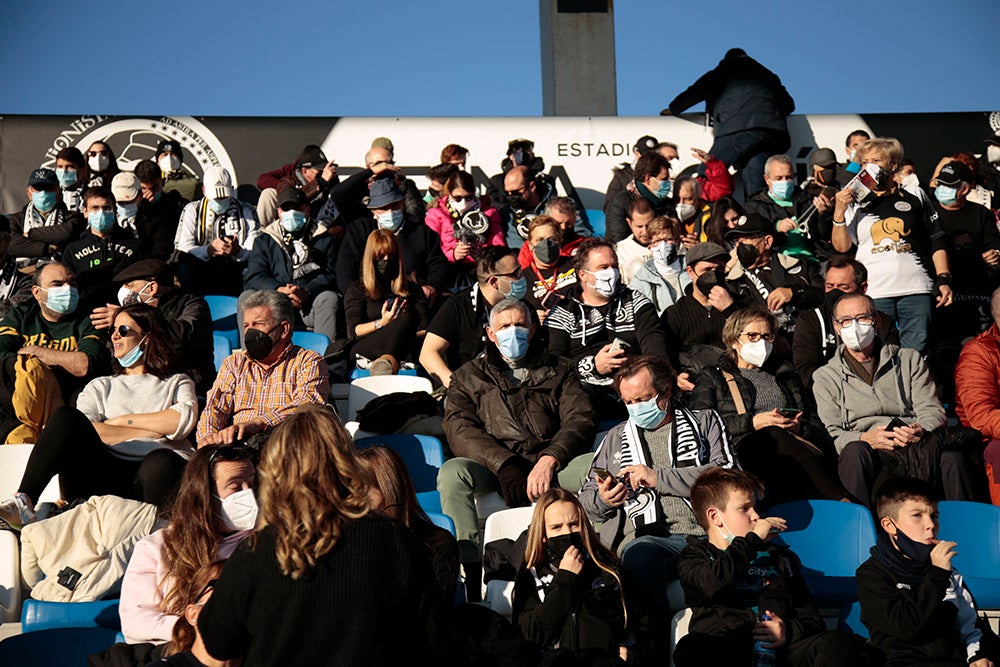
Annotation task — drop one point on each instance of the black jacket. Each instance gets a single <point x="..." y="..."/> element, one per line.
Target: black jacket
<point x="740" y="94"/>
<point x="270" y="265"/>
<point x="712" y="392"/>
<point x="494" y="186"/>
<point x="156" y="225"/>
<point x="490" y="420"/>
<point x="911" y="624"/>
<point x="581" y="612"/>
<point x="688" y="326"/>
<point x="349" y="197"/>
<point x="189" y="324"/>
<point x="722" y="586"/>
<point x="802" y="276"/>
<point x="616" y="226"/>
<point x="620" y="178"/>
<point x="95" y="261"/>
<point x="37" y="243"/>
<point x="423" y="259"/>
<point x="762" y="204"/>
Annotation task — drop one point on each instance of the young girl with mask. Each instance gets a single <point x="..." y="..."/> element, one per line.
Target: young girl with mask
<point x="662" y="277"/>
<point x="445" y="217"/>
<point x="770" y="418"/>
<point x="386" y="313"/>
<point x="102" y="164"/>
<point x="127" y="435"/>
<point x="214" y="510"/>
<point x="568" y="592"/>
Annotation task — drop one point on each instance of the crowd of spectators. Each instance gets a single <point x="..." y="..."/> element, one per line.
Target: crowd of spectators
<point x="824" y="335"/>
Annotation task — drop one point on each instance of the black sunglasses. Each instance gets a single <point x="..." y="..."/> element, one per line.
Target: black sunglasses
<point x="124" y="331"/>
<point x="230" y="453"/>
<point x="210" y="586"/>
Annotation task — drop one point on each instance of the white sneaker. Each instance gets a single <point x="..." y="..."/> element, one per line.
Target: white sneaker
<point x="16" y="512"/>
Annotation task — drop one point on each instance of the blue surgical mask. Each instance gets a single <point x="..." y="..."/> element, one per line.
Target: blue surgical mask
<point x="782" y="189"/>
<point x="647" y="414"/>
<point x="390" y="220"/>
<point x="101" y="221"/>
<point x="513" y="342"/>
<point x="518" y="288"/>
<point x="43" y="200"/>
<point x="126" y="211"/>
<point x="67" y="177"/>
<point x="219" y="205"/>
<point x="663" y="191"/>
<point x="132" y="356"/>
<point x="62" y="299"/>
<point x="293" y="221"/>
<point x="946" y="194"/>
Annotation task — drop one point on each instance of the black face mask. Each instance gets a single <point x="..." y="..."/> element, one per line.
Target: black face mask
<point x="915" y="551"/>
<point x="747" y="254"/>
<point x="556" y="546"/>
<point x="546" y="251"/>
<point x="832" y="297"/>
<point x="387" y="268"/>
<point x="710" y="279"/>
<point x="827" y="176"/>
<point x="516" y="199"/>
<point x="259" y="344"/>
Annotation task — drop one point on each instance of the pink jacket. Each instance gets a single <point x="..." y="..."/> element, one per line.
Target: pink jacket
<point x="144" y="588"/>
<point x="440" y="220"/>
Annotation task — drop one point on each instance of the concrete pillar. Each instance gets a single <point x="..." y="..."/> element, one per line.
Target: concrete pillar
<point x="578" y="57"/>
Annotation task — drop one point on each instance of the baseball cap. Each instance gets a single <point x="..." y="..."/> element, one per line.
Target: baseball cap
<point x="955" y="173"/>
<point x="312" y="156"/>
<point x="646" y="143"/>
<point x="170" y="146"/>
<point x="291" y="198"/>
<point x="218" y="183"/>
<point x="43" y="176"/>
<point x="751" y="224"/>
<point x="383" y="142"/>
<point x="824" y="157"/>
<point x="125" y="186"/>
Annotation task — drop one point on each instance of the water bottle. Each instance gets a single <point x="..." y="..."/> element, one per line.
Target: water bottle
<point x="763" y="656"/>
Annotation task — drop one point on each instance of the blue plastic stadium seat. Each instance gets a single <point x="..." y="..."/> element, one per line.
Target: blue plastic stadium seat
<point x="831" y="539"/>
<point x="63" y="646"/>
<point x="442" y="521"/>
<point x="39" y="615"/>
<point x="364" y="372"/>
<point x="596" y="218"/>
<point x="223" y="310"/>
<point x="976" y="528"/>
<point x="311" y="340"/>
<point x="850" y="620"/>
<point x="423" y="456"/>
<point x="223" y="348"/>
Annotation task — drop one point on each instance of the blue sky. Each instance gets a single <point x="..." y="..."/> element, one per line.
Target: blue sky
<point x="468" y="58"/>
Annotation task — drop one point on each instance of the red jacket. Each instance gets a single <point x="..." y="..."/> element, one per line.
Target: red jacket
<point x="977" y="384"/>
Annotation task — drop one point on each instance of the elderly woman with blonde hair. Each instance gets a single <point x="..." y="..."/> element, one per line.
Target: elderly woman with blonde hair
<point x="325" y="580"/>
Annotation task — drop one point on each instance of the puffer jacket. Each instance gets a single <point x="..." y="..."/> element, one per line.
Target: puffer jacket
<point x="977" y="384"/>
<point x="440" y="219"/>
<point x="490" y="420"/>
<point x="662" y="292"/>
<point x="712" y="392"/>
<point x="96" y="539"/>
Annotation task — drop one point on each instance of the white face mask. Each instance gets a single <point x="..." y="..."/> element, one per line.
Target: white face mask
<point x="462" y="205"/>
<point x="605" y="281"/>
<point x="757" y="353"/>
<point x="239" y="511"/>
<point x="993" y="154"/>
<point x="857" y="336"/>
<point x="169" y="162"/>
<point x="685" y="211"/>
<point x="910" y="181"/>
<point x="98" y="162"/>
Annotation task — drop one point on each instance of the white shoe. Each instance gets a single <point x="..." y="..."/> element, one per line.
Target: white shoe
<point x="16" y="512"/>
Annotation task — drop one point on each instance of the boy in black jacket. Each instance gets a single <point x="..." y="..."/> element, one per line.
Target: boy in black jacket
<point x="917" y="608"/>
<point x="734" y="577"/>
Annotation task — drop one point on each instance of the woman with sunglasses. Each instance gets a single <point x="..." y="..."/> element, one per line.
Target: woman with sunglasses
<point x="769" y="417"/>
<point x="127" y="435"/>
<point x="446" y="215"/>
<point x="214" y="510"/>
<point x="101" y="164"/>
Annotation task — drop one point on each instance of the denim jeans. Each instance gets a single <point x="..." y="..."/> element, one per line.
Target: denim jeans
<point x="913" y="316"/>
<point x="747" y="152"/>
<point x="649" y="564"/>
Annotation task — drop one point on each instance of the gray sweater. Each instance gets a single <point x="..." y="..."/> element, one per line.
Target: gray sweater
<point x="115" y="395"/>
<point x="903" y="388"/>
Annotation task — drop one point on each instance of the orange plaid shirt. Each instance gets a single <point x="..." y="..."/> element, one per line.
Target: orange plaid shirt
<point x="246" y="389"/>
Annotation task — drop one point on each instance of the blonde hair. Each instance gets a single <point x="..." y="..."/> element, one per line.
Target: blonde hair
<point x="664" y="223"/>
<point x="380" y="243"/>
<point x="545" y="221"/>
<point x="311" y="483"/>
<point x="887" y="146"/>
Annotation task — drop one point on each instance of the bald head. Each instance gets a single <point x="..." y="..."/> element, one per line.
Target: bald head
<point x="515" y="179"/>
<point x="376" y="155"/>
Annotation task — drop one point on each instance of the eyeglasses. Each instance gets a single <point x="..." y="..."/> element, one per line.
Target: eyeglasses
<point x="229" y="453"/>
<point x="866" y="319"/>
<point x="519" y="190"/>
<point x="210" y="586"/>
<point x="96" y="153"/>
<point x="512" y="274"/>
<point x="468" y="198"/>
<point x="753" y="336"/>
<point x="124" y="331"/>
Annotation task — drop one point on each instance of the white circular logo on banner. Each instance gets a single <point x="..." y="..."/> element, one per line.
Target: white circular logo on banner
<point x="135" y="139"/>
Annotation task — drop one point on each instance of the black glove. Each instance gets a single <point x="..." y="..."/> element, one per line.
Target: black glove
<point x="513" y="476"/>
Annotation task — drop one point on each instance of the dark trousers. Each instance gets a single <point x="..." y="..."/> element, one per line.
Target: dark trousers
<point x="70" y="447"/>
<point x="827" y="649"/>
<point x="219" y="275"/>
<point x="789" y="468"/>
<point x="747" y="152"/>
<point x="861" y="469"/>
<point x="396" y="338"/>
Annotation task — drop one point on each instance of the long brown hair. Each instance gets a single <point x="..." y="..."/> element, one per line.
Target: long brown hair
<point x="390" y="476"/>
<point x="311" y="483"/>
<point x="192" y="539"/>
<point x="382" y="243"/>
<point x="190" y="591"/>
<point x="158" y="355"/>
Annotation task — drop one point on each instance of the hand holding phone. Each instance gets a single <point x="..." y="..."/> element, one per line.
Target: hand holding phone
<point x="894" y="424"/>
<point x="789" y="413"/>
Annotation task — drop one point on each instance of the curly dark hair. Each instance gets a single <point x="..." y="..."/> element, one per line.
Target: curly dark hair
<point x="159" y="356"/>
